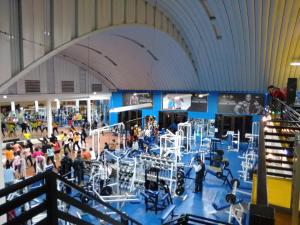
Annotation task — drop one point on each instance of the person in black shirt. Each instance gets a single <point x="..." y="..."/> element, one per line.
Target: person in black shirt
<point x="83" y="136"/>
<point x="65" y="169"/>
<point x="78" y="166"/>
<point x="66" y="165"/>
<point x="24" y="127"/>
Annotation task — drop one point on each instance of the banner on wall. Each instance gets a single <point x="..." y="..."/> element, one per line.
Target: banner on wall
<point x="198" y="103"/>
<point x="136" y="99"/>
<point x="241" y="104"/>
<point x="190" y="102"/>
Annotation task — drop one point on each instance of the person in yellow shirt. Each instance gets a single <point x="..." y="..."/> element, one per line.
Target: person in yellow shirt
<point x="76" y="139"/>
<point x="27" y="135"/>
<point x="55" y="128"/>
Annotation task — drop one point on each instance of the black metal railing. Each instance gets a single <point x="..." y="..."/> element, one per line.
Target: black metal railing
<point x="286" y="112"/>
<point x="186" y="219"/>
<point x="54" y="204"/>
<point x="262" y="194"/>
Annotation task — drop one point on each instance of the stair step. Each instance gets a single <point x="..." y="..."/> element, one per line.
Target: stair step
<point x="279" y="175"/>
<point x="279" y="161"/>
<point x="279" y="168"/>
<point x="280" y="134"/>
<point x="279" y="141"/>
<point x="279" y="147"/>
<point x="280" y="155"/>
<point x="283" y="127"/>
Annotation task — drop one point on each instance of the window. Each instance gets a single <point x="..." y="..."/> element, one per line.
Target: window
<point x="96" y="87"/>
<point x="32" y="86"/>
<point x="67" y="86"/>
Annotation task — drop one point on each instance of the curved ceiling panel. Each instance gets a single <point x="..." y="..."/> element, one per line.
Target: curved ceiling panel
<point x="239" y="45"/>
<point x="137" y="58"/>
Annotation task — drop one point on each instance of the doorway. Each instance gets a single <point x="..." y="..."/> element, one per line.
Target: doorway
<point x="130" y="118"/>
<point x="170" y="120"/>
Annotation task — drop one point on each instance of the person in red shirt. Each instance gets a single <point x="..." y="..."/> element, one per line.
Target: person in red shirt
<point x="86" y="155"/>
<point x="275" y="92"/>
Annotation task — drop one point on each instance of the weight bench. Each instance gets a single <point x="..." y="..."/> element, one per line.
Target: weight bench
<point x="152" y="201"/>
<point x="216" y="171"/>
<point x="167" y="212"/>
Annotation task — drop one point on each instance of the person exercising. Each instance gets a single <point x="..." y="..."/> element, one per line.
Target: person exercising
<point x="199" y="170"/>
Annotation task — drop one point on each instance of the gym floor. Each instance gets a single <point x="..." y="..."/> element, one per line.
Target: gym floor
<point x="200" y="204"/>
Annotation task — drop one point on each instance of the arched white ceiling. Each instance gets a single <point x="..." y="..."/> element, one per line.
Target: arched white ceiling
<point x="136" y="58"/>
<point x="239" y="45"/>
<point x="234" y="45"/>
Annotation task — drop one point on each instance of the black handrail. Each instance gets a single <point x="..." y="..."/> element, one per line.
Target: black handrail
<point x="49" y="204"/>
<point x="98" y="200"/>
<point x="262" y="193"/>
<point x="185" y="219"/>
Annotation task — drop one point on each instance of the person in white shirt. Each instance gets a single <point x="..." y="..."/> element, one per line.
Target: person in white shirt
<point x="199" y="168"/>
<point x="135" y="145"/>
<point x="40" y="164"/>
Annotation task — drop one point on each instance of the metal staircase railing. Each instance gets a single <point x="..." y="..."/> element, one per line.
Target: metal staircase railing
<point x="54" y="204"/>
<point x="186" y="219"/>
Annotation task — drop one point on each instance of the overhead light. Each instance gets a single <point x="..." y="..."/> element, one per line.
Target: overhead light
<point x="135" y="94"/>
<point x="200" y="96"/>
<point x="21" y="108"/>
<point x="4" y="96"/>
<point x="295" y="63"/>
<point x="95" y="93"/>
<point x="56" y="100"/>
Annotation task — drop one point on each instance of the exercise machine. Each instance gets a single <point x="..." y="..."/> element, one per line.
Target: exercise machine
<point x="233" y="140"/>
<point x="115" y="129"/>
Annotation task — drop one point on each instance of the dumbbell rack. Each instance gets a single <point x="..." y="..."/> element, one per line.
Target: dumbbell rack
<point x="127" y="175"/>
<point x="168" y="170"/>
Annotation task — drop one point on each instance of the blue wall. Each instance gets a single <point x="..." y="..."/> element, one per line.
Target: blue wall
<point x="117" y="101"/>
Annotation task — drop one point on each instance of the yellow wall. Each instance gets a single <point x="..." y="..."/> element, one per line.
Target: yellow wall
<point x="279" y="191"/>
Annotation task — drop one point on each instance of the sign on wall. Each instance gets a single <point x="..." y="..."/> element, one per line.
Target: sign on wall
<point x="189" y="102"/>
<point x="241" y="104"/>
<point x="198" y="103"/>
<point x="130" y="99"/>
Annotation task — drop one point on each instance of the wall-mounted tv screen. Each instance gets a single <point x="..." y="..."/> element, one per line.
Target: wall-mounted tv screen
<point x="189" y="102"/>
<point x="241" y="104"/>
<point x="136" y="98"/>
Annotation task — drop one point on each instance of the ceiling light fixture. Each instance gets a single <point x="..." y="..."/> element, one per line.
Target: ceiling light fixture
<point x="95" y="93"/>
<point x="4" y="96"/>
<point x="295" y="63"/>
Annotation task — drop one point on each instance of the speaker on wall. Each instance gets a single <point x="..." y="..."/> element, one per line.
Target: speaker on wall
<point x="291" y="90"/>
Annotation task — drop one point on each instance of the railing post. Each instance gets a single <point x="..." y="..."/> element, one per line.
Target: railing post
<point x="262" y="196"/>
<point x="51" y="199"/>
<point x="261" y="213"/>
<point x="296" y="181"/>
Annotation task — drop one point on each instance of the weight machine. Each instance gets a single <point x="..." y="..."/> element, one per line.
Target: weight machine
<point x="185" y="132"/>
<point x="236" y="210"/>
<point x="234" y="139"/>
<point x="249" y="157"/>
<point x="170" y="145"/>
<point x="119" y="177"/>
<point x="118" y="128"/>
<point x="166" y="167"/>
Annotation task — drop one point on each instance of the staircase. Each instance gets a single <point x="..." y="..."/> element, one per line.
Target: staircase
<point x="42" y="199"/>
<point x="279" y="140"/>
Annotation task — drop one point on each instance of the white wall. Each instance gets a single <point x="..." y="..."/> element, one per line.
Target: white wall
<point x="5" y="66"/>
<point x="63" y="70"/>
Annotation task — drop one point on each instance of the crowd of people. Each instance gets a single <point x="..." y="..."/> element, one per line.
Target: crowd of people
<point x="35" y="123"/>
<point x="50" y="151"/>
